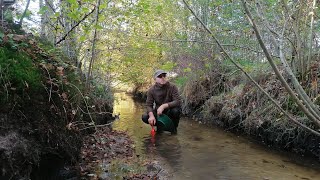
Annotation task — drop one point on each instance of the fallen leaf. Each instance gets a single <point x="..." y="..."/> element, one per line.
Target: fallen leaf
<point x="17" y="37"/>
<point x="64" y="96"/>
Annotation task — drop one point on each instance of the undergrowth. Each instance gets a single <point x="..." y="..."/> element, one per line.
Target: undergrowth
<point x="18" y="73"/>
<point x="224" y="99"/>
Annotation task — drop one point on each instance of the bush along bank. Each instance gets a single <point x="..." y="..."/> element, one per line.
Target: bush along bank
<point x="238" y="105"/>
<point x="44" y="112"/>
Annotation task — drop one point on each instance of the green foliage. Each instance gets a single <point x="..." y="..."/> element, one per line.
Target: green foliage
<point x="56" y="52"/>
<point x="168" y="66"/>
<point x="187" y="69"/>
<point x="102" y="91"/>
<point x="249" y="65"/>
<point x="43" y="10"/>
<point x="8" y="16"/>
<point x="1" y="37"/>
<point x="28" y="14"/>
<point x="181" y="81"/>
<point x="17" y="72"/>
<point x="11" y="44"/>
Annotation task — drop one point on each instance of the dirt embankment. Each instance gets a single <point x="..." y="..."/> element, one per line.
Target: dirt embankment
<point x="34" y="110"/>
<point x="42" y="110"/>
<point x="238" y="105"/>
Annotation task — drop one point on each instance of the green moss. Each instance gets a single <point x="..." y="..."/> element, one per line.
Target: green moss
<point x="17" y="72"/>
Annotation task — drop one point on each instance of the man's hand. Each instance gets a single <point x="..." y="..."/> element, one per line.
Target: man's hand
<point x="152" y="119"/>
<point x="162" y="108"/>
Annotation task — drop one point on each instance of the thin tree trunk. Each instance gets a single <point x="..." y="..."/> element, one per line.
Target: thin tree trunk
<point x="93" y="46"/>
<point x="42" y="20"/>
<point x="311" y="34"/>
<point x="299" y="90"/>
<point x="298" y="53"/>
<point x="267" y="24"/>
<point x="24" y="13"/>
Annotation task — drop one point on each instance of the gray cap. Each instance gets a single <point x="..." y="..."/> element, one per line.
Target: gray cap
<point x="158" y="72"/>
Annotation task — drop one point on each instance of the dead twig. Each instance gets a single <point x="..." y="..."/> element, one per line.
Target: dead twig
<point x="84" y="99"/>
<point x="50" y="92"/>
<point x="96" y="126"/>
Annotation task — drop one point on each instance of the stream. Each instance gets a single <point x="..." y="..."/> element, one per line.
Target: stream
<point x="202" y="152"/>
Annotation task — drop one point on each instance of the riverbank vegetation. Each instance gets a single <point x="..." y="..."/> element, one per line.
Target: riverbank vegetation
<point x="45" y="110"/>
<point x="249" y="67"/>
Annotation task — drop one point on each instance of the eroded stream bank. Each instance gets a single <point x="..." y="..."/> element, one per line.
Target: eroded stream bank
<point x="200" y="152"/>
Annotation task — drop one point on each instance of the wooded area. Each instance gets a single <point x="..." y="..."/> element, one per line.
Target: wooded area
<point x="127" y="40"/>
<point x="246" y="66"/>
<point x="124" y="41"/>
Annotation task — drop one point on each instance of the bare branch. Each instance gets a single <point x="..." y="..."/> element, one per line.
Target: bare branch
<point x="208" y="42"/>
<point x="76" y="25"/>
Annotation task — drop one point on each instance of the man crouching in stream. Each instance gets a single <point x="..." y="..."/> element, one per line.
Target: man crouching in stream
<point x="162" y="98"/>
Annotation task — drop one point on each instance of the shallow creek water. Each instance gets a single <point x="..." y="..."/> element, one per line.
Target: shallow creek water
<point x="201" y="152"/>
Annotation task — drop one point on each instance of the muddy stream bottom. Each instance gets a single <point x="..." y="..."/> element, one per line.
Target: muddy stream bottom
<point x="201" y="152"/>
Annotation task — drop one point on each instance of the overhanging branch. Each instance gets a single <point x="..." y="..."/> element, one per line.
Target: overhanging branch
<point x="73" y="27"/>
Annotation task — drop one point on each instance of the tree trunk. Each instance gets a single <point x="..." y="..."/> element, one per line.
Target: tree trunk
<point x="311" y="34"/>
<point x="42" y="21"/>
<point x="24" y="13"/>
<point x="93" y="46"/>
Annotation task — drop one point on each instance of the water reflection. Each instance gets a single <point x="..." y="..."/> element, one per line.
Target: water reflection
<point x="166" y="146"/>
<point x="130" y="120"/>
<point x="200" y="152"/>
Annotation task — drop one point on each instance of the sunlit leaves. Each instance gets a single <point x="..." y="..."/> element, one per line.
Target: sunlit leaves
<point x="43" y="10"/>
<point x="168" y="66"/>
<point x="98" y="27"/>
<point x="82" y="38"/>
<point x="73" y="15"/>
<point x="159" y="9"/>
<point x="57" y="14"/>
<point x="72" y="1"/>
<point x="187" y="69"/>
<point x="85" y="10"/>
<point x="127" y="39"/>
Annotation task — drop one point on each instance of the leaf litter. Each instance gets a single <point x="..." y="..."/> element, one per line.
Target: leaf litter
<point x="108" y="154"/>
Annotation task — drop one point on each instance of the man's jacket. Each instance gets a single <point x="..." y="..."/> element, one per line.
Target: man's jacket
<point x="161" y="94"/>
